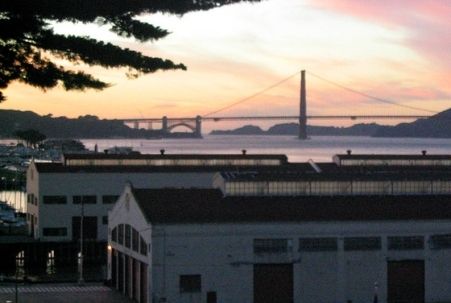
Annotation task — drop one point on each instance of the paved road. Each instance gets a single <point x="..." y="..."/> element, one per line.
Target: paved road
<point x="62" y="293"/>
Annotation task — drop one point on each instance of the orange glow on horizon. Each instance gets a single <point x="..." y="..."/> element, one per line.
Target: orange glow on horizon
<point x="369" y="48"/>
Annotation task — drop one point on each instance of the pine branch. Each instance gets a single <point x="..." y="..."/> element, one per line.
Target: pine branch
<point x="25" y="33"/>
<point x="93" y="52"/>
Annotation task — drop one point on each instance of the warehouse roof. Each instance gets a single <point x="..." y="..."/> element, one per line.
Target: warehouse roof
<point x="209" y="206"/>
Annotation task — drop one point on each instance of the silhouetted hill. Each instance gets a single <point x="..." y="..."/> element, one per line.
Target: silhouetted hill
<point x="437" y="126"/>
<point x="62" y="127"/>
<point x="293" y="129"/>
<point x="245" y="130"/>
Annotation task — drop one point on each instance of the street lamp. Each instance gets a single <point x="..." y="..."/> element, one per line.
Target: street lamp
<point x="80" y="254"/>
<point x="15" y="284"/>
<point x="376" y="290"/>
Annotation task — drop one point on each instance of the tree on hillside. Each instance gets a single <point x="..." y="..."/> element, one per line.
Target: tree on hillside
<point x="31" y="137"/>
<point x="29" y="45"/>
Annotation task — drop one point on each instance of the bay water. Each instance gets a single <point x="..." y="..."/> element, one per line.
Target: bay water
<point x="318" y="148"/>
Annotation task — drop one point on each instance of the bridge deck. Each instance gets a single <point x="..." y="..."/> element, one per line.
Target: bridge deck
<point x="237" y="118"/>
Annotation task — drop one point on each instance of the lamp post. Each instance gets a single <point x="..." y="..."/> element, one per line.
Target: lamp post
<point x="80" y="255"/>
<point x="3" y="186"/>
<point x="16" y="288"/>
<point x="376" y="290"/>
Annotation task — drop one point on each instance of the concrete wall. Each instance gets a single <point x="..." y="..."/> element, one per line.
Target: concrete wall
<point x="223" y="255"/>
<point x="33" y="189"/>
<point x="129" y="212"/>
<point x="99" y="184"/>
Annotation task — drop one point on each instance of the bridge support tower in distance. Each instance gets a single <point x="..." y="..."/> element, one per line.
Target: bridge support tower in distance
<point x="198" y="130"/>
<point x="164" y="125"/>
<point x="303" y="109"/>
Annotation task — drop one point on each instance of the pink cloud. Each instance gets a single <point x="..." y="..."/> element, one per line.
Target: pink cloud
<point x="427" y="22"/>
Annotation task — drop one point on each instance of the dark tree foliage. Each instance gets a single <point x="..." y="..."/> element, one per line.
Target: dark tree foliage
<point x="31" y="137"/>
<point x="28" y="42"/>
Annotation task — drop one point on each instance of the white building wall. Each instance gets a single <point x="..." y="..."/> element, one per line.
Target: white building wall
<point x="223" y="255"/>
<point x="129" y="212"/>
<point x="32" y="192"/>
<point x="99" y="184"/>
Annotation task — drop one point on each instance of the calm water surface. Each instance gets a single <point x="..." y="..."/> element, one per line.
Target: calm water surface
<point x="320" y="148"/>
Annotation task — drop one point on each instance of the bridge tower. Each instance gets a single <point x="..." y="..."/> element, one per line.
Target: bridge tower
<point x="164" y="125"/>
<point x="303" y="109"/>
<point x="198" y="130"/>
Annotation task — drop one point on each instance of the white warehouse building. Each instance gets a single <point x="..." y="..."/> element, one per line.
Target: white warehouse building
<point x="58" y="194"/>
<point x="199" y="245"/>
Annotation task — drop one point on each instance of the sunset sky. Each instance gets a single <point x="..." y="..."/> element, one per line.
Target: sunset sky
<point x="397" y="50"/>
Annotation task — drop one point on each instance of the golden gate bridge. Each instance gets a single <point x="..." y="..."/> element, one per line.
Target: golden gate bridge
<point x="195" y="123"/>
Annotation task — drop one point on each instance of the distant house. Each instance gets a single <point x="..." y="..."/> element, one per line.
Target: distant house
<point x="199" y="245"/>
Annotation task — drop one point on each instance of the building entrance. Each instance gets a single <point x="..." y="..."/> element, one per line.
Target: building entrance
<point x="405" y="281"/>
<point x="273" y="283"/>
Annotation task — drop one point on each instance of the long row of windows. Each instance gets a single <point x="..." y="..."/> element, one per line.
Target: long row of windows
<point x="174" y="162"/>
<point x="126" y="235"/>
<point x="312" y="244"/>
<point x="54" y="231"/>
<point x="337" y="187"/>
<point x="89" y="227"/>
<point x="394" y="162"/>
<point x="78" y="199"/>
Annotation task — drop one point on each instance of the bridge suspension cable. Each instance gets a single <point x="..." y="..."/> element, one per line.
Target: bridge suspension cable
<point x="251" y="96"/>
<point x="369" y="96"/>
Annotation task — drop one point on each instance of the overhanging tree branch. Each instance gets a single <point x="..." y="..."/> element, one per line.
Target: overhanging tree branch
<point x="26" y="34"/>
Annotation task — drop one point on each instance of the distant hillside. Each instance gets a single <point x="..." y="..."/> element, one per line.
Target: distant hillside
<point x="62" y="127"/>
<point x="245" y="130"/>
<point x="292" y="129"/>
<point x="438" y="126"/>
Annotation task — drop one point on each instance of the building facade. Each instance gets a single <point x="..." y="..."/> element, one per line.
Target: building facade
<point x="199" y="245"/>
<point x="59" y="194"/>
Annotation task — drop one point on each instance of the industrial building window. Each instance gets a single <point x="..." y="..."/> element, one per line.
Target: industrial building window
<point x="190" y="283"/>
<point x="114" y="235"/>
<point x="442" y="187"/>
<point x="54" y="231"/>
<point x="142" y="246"/>
<point x="109" y="199"/>
<point x="318" y="244"/>
<point x="135" y="240"/>
<point x="371" y="187"/>
<point x="84" y="199"/>
<point x="89" y="227"/>
<point x="127" y="235"/>
<point x="405" y="243"/>
<point x="262" y="246"/>
<point x="105" y="220"/>
<point x="120" y="235"/>
<point x="330" y="187"/>
<point x="362" y="243"/>
<point x="440" y="241"/>
<point x="54" y="199"/>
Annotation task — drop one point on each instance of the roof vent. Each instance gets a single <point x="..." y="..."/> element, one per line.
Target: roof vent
<point x="349" y="151"/>
<point x="423" y="152"/>
<point x="314" y="166"/>
<point x="162" y="152"/>
<point x="243" y="151"/>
